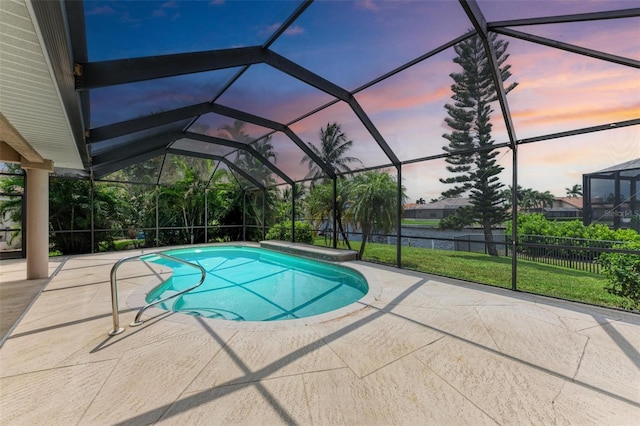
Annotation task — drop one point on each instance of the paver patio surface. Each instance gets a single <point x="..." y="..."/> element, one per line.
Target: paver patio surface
<point x="422" y="350"/>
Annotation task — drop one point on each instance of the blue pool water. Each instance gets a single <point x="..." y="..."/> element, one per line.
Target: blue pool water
<point x="252" y="284"/>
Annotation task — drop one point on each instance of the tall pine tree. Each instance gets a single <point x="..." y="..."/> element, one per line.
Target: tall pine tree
<point x="469" y="117"/>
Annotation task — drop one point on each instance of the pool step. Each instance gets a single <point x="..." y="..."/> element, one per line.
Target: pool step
<point x="308" y="250"/>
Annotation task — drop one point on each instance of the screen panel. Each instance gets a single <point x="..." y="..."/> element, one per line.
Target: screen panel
<point x="340" y="125"/>
<point x="499" y="10"/>
<point x="351" y="43"/>
<point x="561" y="91"/>
<point x="612" y="36"/>
<point x="147" y="28"/>
<point x="128" y="101"/>
<point x="266" y="92"/>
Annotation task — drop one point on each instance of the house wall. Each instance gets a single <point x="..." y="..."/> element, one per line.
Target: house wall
<point x="428" y="213"/>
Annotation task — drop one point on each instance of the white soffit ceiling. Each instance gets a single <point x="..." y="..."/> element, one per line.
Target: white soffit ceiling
<point x="29" y="97"/>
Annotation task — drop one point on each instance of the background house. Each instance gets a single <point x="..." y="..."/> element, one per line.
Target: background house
<point x="436" y="210"/>
<point x="564" y="208"/>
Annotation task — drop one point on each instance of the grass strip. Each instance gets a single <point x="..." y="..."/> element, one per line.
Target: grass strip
<point x="533" y="277"/>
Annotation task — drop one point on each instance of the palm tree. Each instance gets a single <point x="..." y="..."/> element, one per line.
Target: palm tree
<point x="284" y="200"/>
<point x="528" y="199"/>
<point x="234" y="132"/>
<point x="575" y="191"/>
<point x="536" y="200"/>
<point x="333" y="148"/>
<point x="372" y="204"/>
<point x="300" y="189"/>
<point x="260" y="172"/>
<point x="250" y="164"/>
<point x="544" y="199"/>
<point x="319" y="205"/>
<point x="183" y="202"/>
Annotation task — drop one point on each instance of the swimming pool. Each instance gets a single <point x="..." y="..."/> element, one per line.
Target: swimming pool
<point x="252" y="284"/>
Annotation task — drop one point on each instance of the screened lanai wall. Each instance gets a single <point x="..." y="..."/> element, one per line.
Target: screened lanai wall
<point x="217" y="81"/>
<point x="611" y="195"/>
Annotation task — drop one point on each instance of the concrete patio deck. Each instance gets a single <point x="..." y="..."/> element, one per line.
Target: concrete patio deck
<point x="425" y="350"/>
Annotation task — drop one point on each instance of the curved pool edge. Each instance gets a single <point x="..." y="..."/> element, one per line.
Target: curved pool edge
<point x="137" y="299"/>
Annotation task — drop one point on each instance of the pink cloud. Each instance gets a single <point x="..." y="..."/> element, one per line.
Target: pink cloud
<point x="291" y="31"/>
<point x="367" y="5"/>
<point x="561" y="91"/>
<point x="589" y="117"/>
<point x="616" y="38"/>
<point x="271" y="28"/>
<point x="409" y="97"/>
<point x="294" y="30"/>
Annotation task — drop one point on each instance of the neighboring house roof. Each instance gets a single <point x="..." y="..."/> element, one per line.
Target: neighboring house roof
<point x="568" y="202"/>
<point x="627" y="165"/>
<point x="446" y="204"/>
<point x="560" y="209"/>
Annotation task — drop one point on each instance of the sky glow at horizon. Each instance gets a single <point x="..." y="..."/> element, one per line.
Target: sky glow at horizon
<point x="351" y="43"/>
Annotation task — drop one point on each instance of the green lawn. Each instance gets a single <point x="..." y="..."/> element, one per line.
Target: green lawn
<point x="118" y="245"/>
<point x="421" y="222"/>
<point x="533" y="277"/>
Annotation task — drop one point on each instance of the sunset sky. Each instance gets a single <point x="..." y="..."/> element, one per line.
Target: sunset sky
<point x="352" y="42"/>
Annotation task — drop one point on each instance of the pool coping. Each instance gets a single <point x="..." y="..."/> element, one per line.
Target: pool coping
<point x="137" y="299"/>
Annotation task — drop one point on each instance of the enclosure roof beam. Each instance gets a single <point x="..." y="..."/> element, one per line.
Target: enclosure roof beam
<point x="111" y="131"/>
<point x="115" y="130"/>
<point x="283" y="64"/>
<point x="324" y="166"/>
<point x="218" y="158"/>
<point x="368" y="124"/>
<point x="246" y="117"/>
<point x="569" y="47"/>
<point x="261" y="121"/>
<point x="575" y="132"/>
<point x="415" y="61"/>
<point x="133" y="149"/>
<point x="241" y="146"/>
<point x="91" y="75"/>
<point x="108" y="167"/>
<point x="286" y="24"/>
<point x="291" y="68"/>
<point x="561" y="19"/>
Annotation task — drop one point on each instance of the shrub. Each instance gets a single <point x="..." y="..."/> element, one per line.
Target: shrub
<point x="623" y="272"/>
<point x="282" y="231"/>
<point x="537" y="224"/>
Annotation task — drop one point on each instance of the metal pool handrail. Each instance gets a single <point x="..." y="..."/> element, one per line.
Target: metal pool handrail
<point x="114" y="290"/>
<point x="137" y="321"/>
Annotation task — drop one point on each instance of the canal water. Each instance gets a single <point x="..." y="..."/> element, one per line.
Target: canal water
<point x="433" y="238"/>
